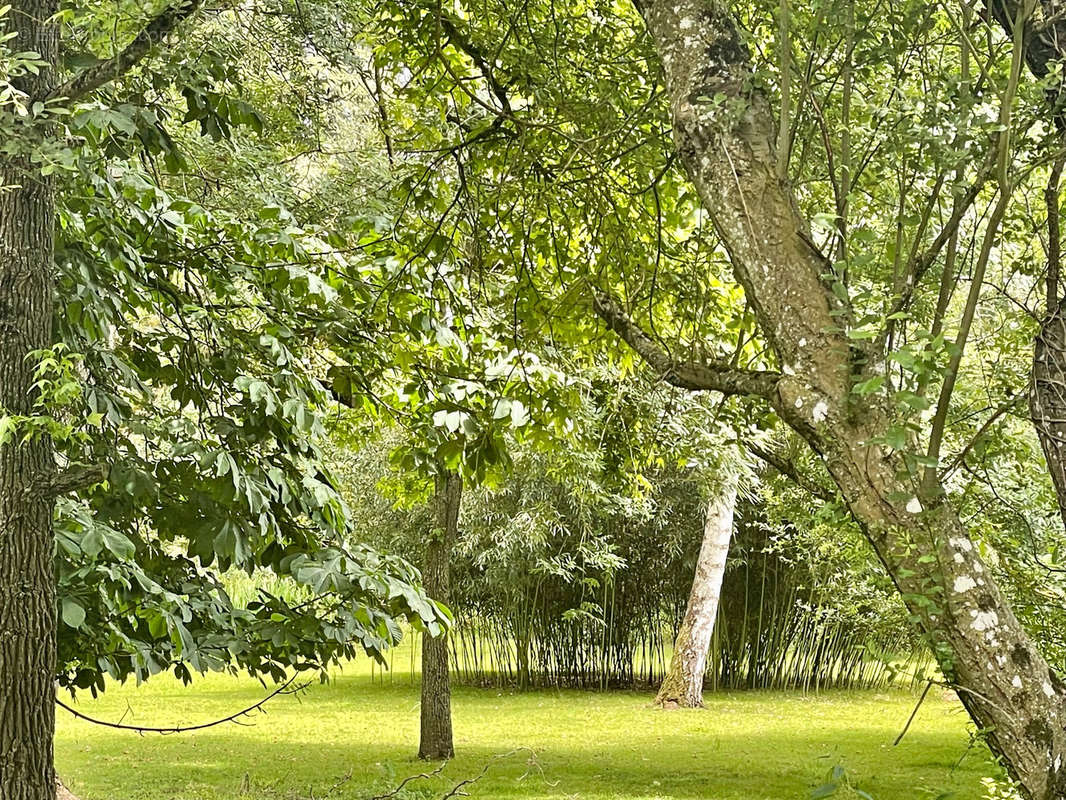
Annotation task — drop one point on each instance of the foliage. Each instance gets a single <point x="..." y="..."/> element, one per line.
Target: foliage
<point x="183" y="373"/>
<point x="575" y="570"/>
<point x="902" y="134"/>
<point x="417" y="238"/>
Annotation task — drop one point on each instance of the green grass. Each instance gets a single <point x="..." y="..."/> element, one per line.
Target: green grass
<point x="601" y="746"/>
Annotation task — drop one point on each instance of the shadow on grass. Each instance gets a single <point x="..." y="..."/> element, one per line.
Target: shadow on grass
<point x="613" y="746"/>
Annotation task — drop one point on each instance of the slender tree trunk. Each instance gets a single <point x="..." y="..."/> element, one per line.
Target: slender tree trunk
<point x="27" y="590"/>
<point x="1047" y="398"/>
<point x="436" y="736"/>
<point x="683" y="685"/>
<point x="1047" y="395"/>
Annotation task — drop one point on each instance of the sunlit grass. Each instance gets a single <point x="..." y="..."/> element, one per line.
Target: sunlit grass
<point x="744" y="746"/>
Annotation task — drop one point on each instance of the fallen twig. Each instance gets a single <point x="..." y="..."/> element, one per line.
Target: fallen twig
<point x="458" y="789"/>
<point x="409" y="779"/>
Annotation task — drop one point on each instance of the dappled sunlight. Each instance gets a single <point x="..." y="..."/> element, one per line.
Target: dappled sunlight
<point x="609" y="745"/>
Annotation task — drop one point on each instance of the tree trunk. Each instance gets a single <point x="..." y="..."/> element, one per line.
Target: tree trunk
<point x="436" y="735"/>
<point x="723" y="128"/>
<point x="27" y="590"/>
<point x="683" y="684"/>
<point x="1047" y="398"/>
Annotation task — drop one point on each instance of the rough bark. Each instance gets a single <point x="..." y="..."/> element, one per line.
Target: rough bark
<point x="1047" y="398"/>
<point x="723" y="130"/>
<point x="27" y="592"/>
<point x="683" y="684"/>
<point x="436" y="720"/>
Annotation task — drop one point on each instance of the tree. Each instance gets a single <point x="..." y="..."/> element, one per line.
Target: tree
<point x="27" y="471"/>
<point x="725" y="134"/>
<point x="143" y="430"/>
<point x="435" y="740"/>
<point x="683" y="684"/>
<point x="462" y="395"/>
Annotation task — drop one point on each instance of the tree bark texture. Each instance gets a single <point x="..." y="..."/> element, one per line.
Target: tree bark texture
<point x="727" y="149"/>
<point x="683" y="684"/>
<point x="1047" y="399"/>
<point x="436" y="719"/>
<point x="27" y="591"/>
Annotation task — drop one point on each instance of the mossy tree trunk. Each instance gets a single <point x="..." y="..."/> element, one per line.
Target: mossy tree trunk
<point x="683" y="685"/>
<point x="436" y="728"/>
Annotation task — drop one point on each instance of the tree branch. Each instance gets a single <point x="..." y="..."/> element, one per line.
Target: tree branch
<point x="1054" y="236"/>
<point x="951" y="374"/>
<point x="235" y="718"/>
<point x="464" y="44"/>
<point x="686" y="375"/>
<point x="921" y="264"/>
<point x="789" y="470"/>
<point x="71" y="479"/>
<point x="409" y="779"/>
<point x="730" y="157"/>
<point x="92" y="78"/>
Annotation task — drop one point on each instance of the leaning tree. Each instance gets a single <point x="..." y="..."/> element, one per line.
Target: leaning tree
<point x="727" y="135"/>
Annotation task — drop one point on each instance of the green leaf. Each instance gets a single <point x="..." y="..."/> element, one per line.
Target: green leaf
<point x="501" y="409"/>
<point x="73" y="614"/>
<point x="869" y="386"/>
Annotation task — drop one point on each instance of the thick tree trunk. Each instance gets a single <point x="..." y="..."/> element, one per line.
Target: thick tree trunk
<point x="683" y="684"/>
<point x="981" y="648"/>
<point x="724" y="133"/>
<point x="27" y="591"/>
<point x="436" y="735"/>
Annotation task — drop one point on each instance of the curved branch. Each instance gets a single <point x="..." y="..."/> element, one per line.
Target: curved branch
<point x="235" y="718"/>
<point x="410" y="779"/>
<point x="690" y="375"/>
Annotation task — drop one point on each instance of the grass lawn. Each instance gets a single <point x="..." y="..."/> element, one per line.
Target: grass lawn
<point x="747" y="746"/>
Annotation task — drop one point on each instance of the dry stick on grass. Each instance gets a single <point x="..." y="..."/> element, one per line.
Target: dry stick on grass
<point x="458" y="789"/>
<point x="234" y="718"/>
<point x="334" y="787"/>
<point x="409" y="779"/>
